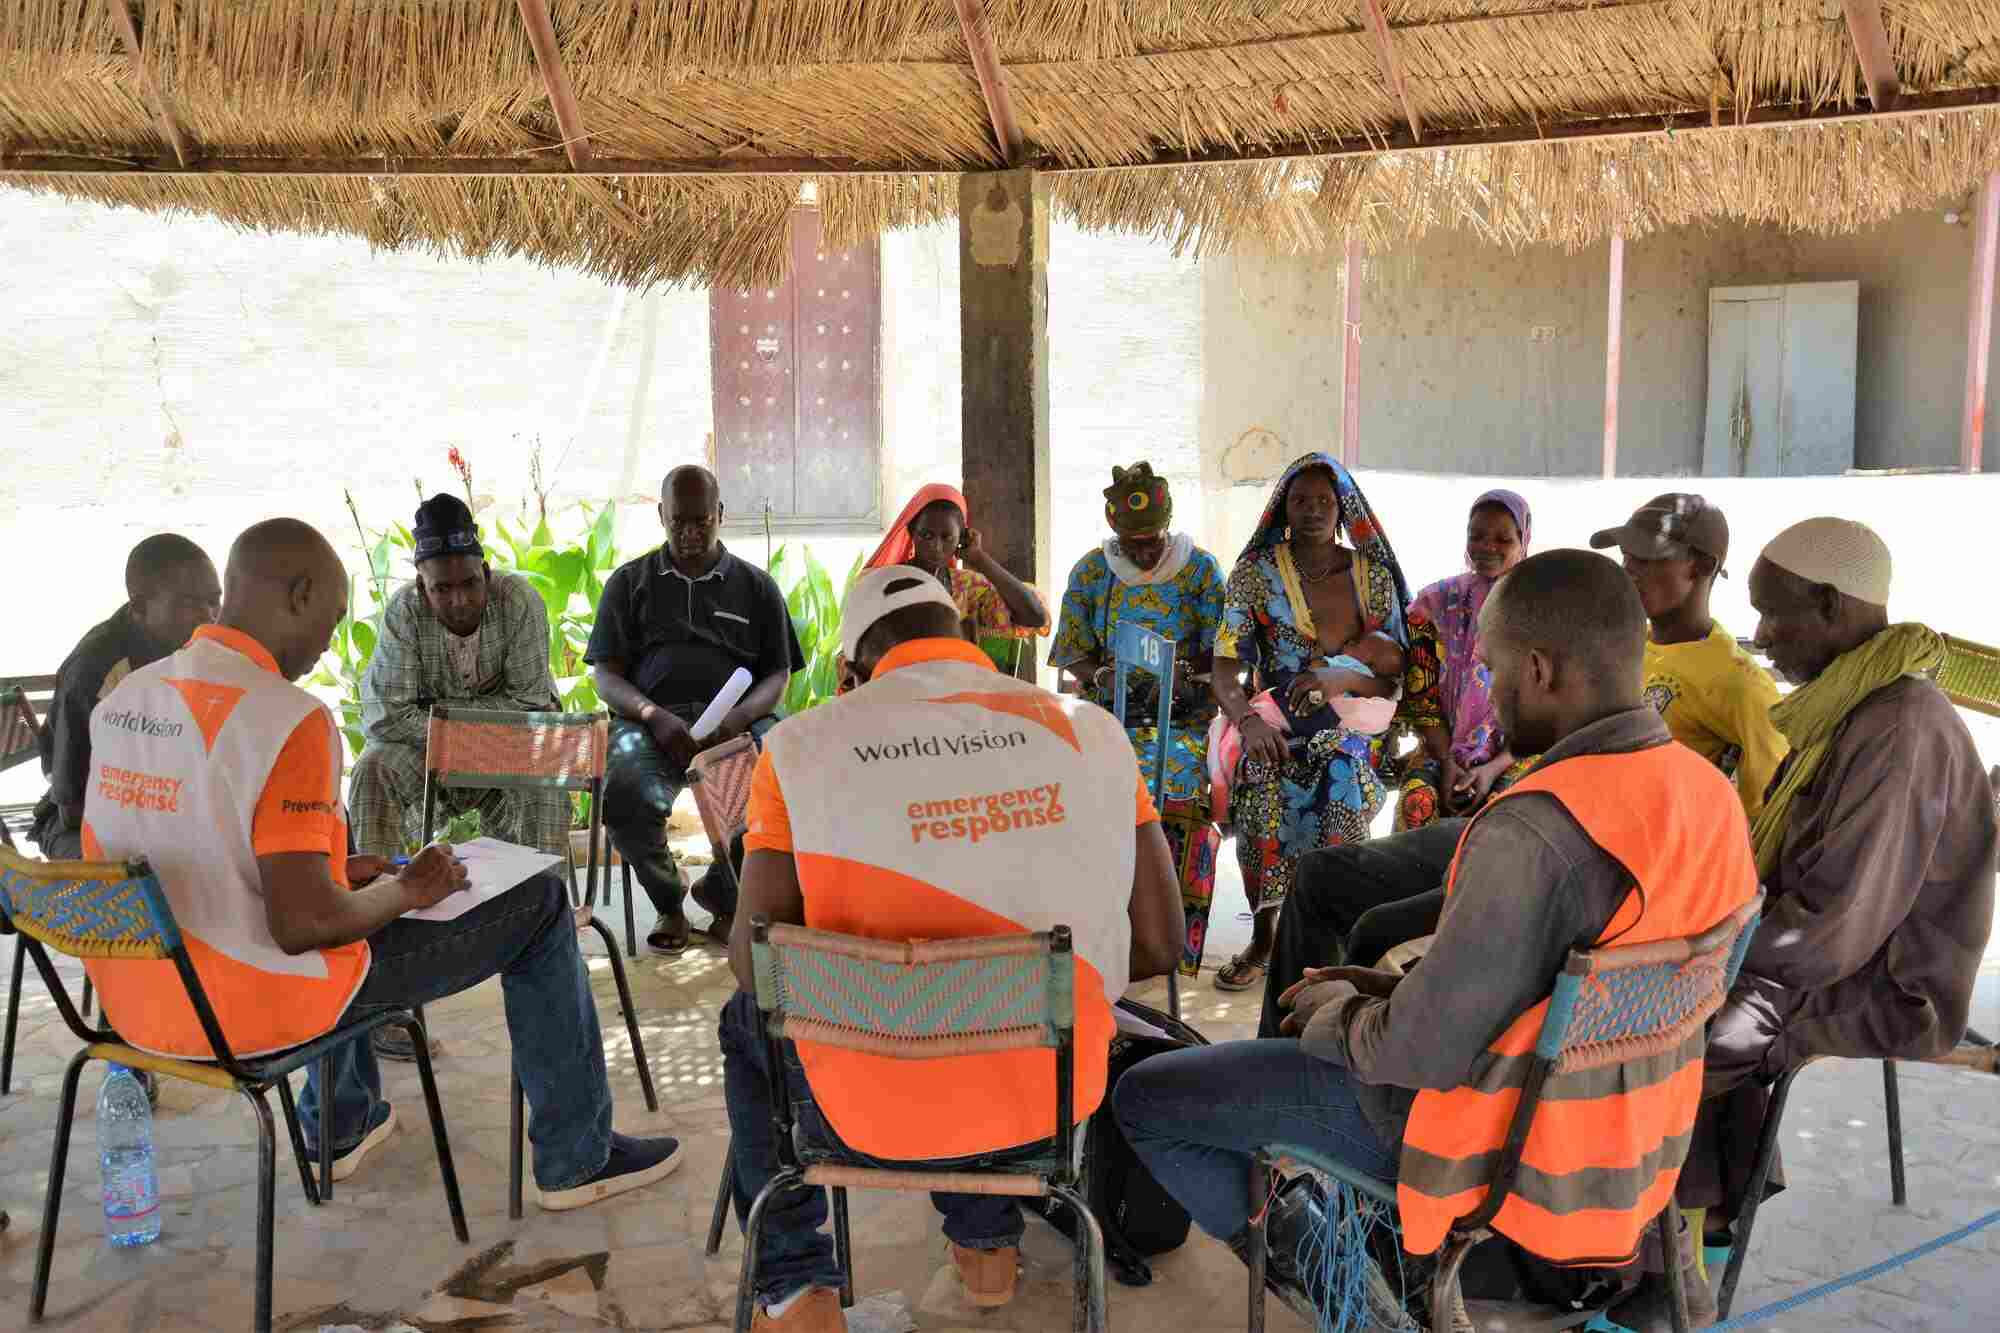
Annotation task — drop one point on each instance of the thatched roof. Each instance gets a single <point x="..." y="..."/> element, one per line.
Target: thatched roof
<point x="1641" y="114"/>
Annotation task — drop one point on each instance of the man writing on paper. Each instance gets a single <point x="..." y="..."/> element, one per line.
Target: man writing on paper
<point x="672" y="627"/>
<point x="225" y="776"/>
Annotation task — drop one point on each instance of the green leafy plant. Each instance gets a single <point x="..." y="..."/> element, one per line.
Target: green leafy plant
<point x="815" y="611"/>
<point x="354" y="638"/>
<point x="461" y="828"/>
<point x="570" y="575"/>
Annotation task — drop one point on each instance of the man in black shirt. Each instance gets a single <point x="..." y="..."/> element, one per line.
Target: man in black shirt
<point x="170" y="589"/>
<point x="672" y="627"/>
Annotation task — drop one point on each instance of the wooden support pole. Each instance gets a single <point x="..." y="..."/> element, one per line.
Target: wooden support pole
<point x="1871" y="48"/>
<point x="1614" y="338"/>
<point x="1392" y="68"/>
<point x="1003" y="321"/>
<point x="1350" y="372"/>
<point x="978" y="30"/>
<point x="163" y="111"/>
<point x="562" y="98"/>
<point x="1979" y="325"/>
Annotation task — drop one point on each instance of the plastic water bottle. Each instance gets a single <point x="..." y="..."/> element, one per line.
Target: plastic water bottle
<point x="125" y="1160"/>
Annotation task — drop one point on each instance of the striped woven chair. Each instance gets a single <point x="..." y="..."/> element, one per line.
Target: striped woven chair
<point x="1609" y="1006"/>
<point x="488" y="748"/>
<point x="24" y="708"/>
<point x="927" y="1000"/>
<point x="117" y="910"/>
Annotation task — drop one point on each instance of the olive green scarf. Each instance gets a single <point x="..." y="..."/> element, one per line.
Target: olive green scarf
<point x="1811" y="714"/>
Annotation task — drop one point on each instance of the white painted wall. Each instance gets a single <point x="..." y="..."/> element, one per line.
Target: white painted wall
<point x="1478" y="358"/>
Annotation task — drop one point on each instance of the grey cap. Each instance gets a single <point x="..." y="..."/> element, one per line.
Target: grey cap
<point x="1669" y="527"/>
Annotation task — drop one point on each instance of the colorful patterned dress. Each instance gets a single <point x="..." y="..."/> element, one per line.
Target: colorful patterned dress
<point x="1329" y="790"/>
<point x="1186" y="608"/>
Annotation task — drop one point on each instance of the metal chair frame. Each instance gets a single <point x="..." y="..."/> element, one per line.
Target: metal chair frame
<point x="1975" y="1052"/>
<point x="723" y="827"/>
<point x="1557" y="1047"/>
<point x="1050" y="1026"/>
<point x="438" y="751"/>
<point x="1134" y="645"/>
<point x="138" y="890"/>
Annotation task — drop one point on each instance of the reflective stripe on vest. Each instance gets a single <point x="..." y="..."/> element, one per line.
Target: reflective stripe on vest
<point x="1606" y="1145"/>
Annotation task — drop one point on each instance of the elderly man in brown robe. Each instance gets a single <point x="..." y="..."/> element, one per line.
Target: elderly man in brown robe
<point x="1876" y="848"/>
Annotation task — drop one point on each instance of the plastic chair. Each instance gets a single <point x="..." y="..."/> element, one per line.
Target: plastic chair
<point x="924" y="1000"/>
<point x="1134" y="646"/>
<point x="486" y="748"/>
<point x="1610" y="1006"/>
<point x="117" y="910"/>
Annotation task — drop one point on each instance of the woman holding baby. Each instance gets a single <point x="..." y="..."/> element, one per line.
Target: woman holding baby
<point x="1321" y="624"/>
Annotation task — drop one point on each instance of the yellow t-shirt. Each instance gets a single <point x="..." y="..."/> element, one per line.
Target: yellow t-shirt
<point x="1717" y="701"/>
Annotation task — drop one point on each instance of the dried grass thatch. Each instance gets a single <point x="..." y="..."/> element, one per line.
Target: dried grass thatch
<point x="1094" y="83"/>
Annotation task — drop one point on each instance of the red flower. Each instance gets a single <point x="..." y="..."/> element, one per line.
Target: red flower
<point x="459" y="465"/>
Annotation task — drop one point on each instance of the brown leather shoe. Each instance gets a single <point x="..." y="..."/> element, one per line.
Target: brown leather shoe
<point x="818" y="1311"/>
<point x="988" y="1275"/>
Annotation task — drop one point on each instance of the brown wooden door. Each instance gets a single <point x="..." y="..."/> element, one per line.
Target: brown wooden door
<point x="797" y="385"/>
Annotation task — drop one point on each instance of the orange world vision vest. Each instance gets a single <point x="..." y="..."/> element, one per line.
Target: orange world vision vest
<point x="1606" y="1145"/>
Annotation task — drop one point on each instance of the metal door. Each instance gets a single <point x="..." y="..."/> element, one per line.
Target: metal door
<point x="839" y="322"/>
<point x="751" y="364"/>
<point x="1745" y="385"/>
<point x="795" y="375"/>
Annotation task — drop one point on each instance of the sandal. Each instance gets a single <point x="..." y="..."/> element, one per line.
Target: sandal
<point x="670" y="940"/>
<point x="1240" y="973"/>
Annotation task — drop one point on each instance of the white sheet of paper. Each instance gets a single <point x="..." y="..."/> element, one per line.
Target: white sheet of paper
<point x="1132" y="1025"/>
<point x="492" y="868"/>
<point x="718" y="708"/>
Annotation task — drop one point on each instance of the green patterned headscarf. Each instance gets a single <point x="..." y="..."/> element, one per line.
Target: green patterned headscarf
<point x="1137" y="503"/>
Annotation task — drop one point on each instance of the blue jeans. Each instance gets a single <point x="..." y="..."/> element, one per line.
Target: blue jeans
<point x="795" y="1253"/>
<point x="1197" y="1117"/>
<point x="527" y="937"/>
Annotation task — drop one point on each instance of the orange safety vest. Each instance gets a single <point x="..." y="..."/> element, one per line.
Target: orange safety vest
<point x="1606" y="1145"/>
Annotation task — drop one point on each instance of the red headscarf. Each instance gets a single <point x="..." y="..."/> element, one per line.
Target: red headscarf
<point x="898" y="547"/>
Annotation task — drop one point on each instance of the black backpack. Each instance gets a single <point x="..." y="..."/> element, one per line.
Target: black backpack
<point x="1137" y="1216"/>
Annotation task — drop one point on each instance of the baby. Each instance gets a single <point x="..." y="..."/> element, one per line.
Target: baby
<point x="1368" y="708"/>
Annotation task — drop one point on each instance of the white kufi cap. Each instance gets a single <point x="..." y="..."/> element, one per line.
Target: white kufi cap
<point x="1837" y="551"/>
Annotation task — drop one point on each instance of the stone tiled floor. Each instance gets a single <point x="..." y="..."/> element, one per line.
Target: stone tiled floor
<point x="382" y="1255"/>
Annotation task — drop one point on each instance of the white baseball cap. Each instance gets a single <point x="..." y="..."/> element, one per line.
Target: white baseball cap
<point x="878" y="592"/>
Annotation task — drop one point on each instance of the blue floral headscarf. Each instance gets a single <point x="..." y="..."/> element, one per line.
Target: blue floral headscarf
<point x="1357" y="521"/>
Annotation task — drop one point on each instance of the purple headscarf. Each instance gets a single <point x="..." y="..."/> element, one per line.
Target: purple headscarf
<point x="1452" y="606"/>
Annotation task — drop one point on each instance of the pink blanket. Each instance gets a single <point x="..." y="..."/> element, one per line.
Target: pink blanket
<point x="1369" y="717"/>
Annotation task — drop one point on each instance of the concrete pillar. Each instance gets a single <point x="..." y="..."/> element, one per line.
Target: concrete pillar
<point x="1003" y="293"/>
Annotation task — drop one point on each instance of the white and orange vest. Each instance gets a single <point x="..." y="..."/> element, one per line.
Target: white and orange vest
<point x="180" y="753"/>
<point x="943" y="800"/>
